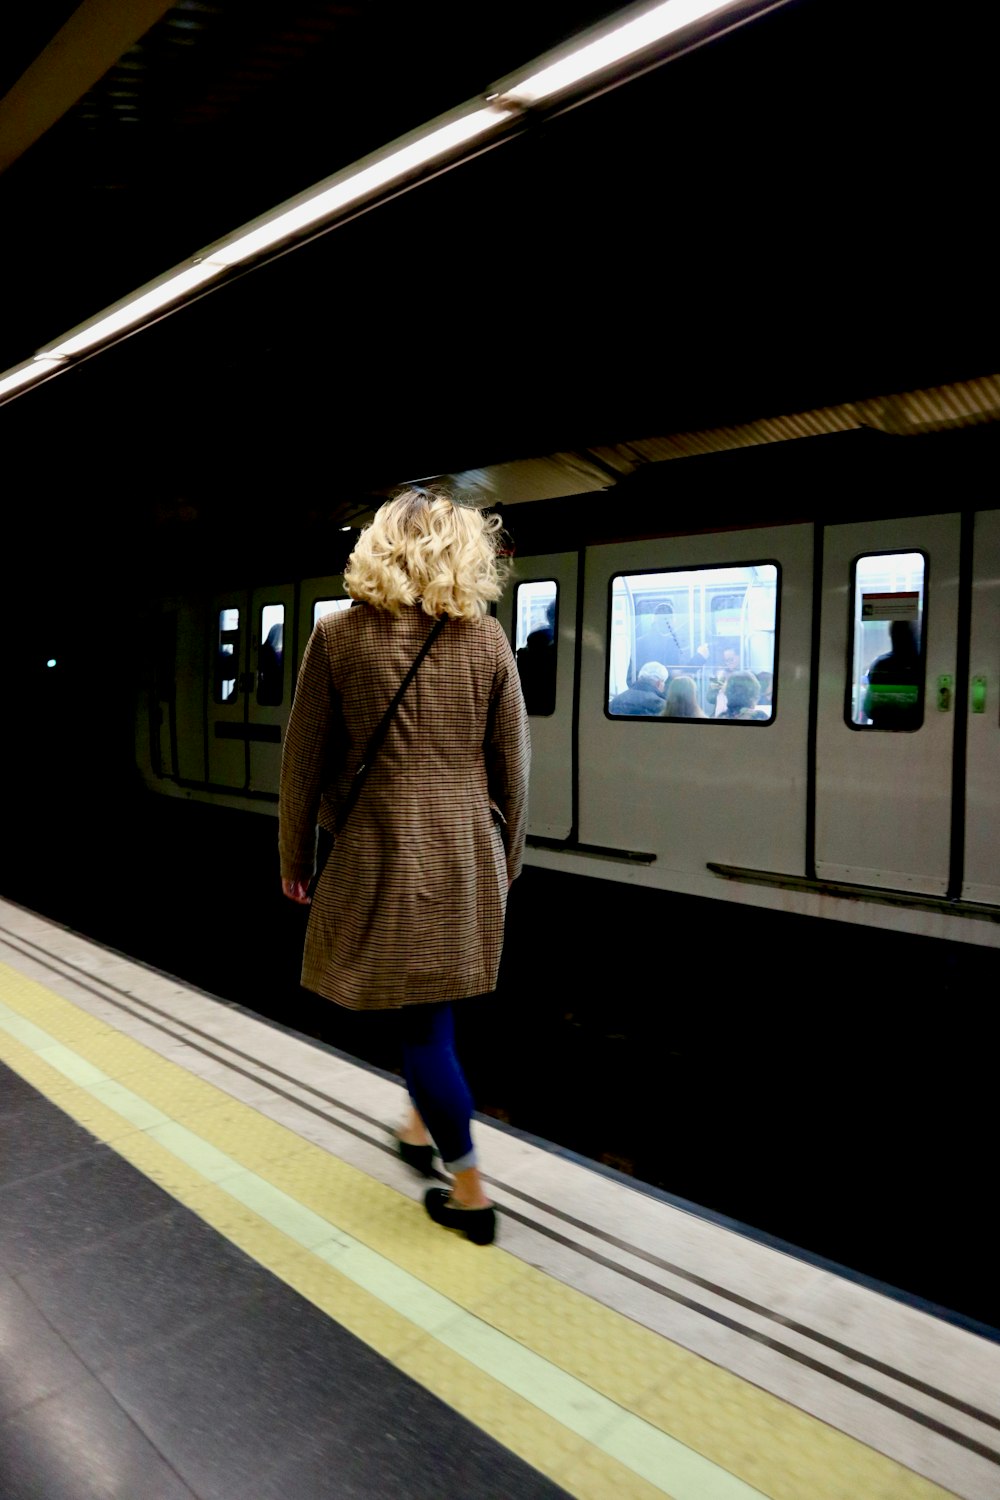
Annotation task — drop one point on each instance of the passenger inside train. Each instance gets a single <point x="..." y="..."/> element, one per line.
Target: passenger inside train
<point x="682" y="699"/>
<point x="742" y="697"/>
<point x="645" y="698"/>
<point x="536" y="665"/>
<point x="270" y="668"/>
<point x="892" y="699"/>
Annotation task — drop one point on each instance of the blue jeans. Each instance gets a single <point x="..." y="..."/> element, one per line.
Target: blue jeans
<point x="436" y="1082"/>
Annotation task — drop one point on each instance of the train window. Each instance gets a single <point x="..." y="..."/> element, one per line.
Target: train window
<point x="698" y="643"/>
<point x="227" y="656"/>
<point x="328" y="607"/>
<point x="536" y="642"/>
<point x="885" y="689"/>
<point x="271" y="656"/>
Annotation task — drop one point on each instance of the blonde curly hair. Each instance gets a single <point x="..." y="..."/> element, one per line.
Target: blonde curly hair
<point x="422" y="548"/>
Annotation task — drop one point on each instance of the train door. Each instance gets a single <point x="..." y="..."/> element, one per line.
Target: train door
<point x="982" y="780"/>
<point x="694" y="702"/>
<point x="269" y="684"/>
<point x="538" y="612"/>
<point x="885" y="720"/>
<point x="226" y="685"/>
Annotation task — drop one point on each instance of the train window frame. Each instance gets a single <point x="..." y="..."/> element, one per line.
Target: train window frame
<point x="852" y="613"/>
<point x="270" y="702"/>
<point x="545" y="689"/>
<point x="713" y="567"/>
<point x="339" y="603"/>
<point x="228" y="635"/>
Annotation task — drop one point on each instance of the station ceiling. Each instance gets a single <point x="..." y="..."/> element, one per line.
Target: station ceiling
<point x="795" y="215"/>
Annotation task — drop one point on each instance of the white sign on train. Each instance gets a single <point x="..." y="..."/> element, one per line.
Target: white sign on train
<point x="890" y="606"/>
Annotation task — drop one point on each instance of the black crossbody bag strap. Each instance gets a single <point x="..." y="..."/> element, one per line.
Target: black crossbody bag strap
<point x="381" y="730"/>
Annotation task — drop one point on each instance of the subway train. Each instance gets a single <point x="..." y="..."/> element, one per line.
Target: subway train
<point x="842" y="781"/>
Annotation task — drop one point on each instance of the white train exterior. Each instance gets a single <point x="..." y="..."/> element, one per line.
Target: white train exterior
<point x="806" y="806"/>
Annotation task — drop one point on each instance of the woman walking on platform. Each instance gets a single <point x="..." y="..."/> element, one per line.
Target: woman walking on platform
<point x="425" y="797"/>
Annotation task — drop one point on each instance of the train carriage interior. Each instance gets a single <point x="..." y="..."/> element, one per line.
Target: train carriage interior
<point x="711" y="330"/>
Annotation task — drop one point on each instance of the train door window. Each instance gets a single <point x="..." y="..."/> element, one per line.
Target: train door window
<point x="271" y="656"/>
<point x="227" y="656"/>
<point x="536" y="642"/>
<point x="886" y="685"/>
<point x="698" y="643"/>
<point x="328" y="607"/>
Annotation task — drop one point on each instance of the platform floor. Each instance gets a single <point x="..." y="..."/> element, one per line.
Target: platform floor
<point x="217" y="1280"/>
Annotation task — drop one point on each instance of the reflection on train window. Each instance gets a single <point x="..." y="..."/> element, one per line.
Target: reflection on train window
<point x="328" y="607"/>
<point x="886" y="687"/>
<point x="227" y="656"/>
<point x="536" y="643"/>
<point x="271" y="656"/>
<point x="697" y="643"/>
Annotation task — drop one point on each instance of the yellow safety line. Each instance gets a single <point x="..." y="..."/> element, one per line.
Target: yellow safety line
<point x="491" y="1336"/>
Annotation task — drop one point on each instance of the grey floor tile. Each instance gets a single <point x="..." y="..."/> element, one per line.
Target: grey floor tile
<point x="37" y="1137"/>
<point x="280" y="1401"/>
<point x="80" y="1445"/>
<point x="14" y="1092"/>
<point x="34" y="1361"/>
<point x="428" y="1452"/>
<point x="46" y="1217"/>
<point x="143" y="1285"/>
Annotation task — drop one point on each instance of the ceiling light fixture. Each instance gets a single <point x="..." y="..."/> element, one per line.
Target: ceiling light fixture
<point x="630" y="35"/>
<point x="27" y="374"/>
<point x="363" y="180"/>
<point x="131" y="310"/>
<point x="561" y="70"/>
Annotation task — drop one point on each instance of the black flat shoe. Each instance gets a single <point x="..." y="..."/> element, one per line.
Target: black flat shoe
<point x="420" y="1158"/>
<point x="477" y="1224"/>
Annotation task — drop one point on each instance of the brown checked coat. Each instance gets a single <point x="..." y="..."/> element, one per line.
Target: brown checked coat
<point x="410" y="905"/>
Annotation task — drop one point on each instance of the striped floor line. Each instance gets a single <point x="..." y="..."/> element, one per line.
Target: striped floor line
<point x="596" y="1402"/>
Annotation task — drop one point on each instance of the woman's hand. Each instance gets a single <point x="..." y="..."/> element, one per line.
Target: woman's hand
<point x="297" y="890"/>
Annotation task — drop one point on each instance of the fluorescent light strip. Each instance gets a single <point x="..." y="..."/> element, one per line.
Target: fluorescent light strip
<point x="612" y="47"/>
<point x="25" y="374"/>
<point x="471" y="122"/>
<point x="131" y="311"/>
<point x="357" y="184"/>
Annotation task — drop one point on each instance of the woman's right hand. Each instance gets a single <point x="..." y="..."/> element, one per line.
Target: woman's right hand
<point x="297" y="890"/>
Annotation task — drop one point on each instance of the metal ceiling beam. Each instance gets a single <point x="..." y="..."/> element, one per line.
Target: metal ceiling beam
<point x="92" y="40"/>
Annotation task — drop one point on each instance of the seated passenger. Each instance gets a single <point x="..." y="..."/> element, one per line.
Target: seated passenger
<point x="766" y="680"/>
<point x="682" y="700"/>
<point x="892" y="699"/>
<point x="645" y="696"/>
<point x="742" y="695"/>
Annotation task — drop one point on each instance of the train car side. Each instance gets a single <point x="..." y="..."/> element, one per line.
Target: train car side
<point x="802" y="801"/>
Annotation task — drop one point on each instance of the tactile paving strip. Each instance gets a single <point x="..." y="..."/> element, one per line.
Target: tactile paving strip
<point x="597" y="1402"/>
